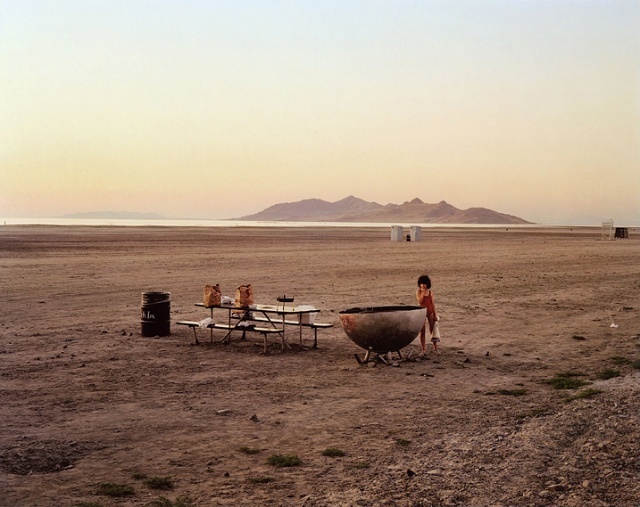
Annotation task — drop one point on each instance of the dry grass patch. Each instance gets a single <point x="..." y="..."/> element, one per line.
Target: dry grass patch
<point x="249" y="450"/>
<point x="181" y="501"/>
<point x="333" y="452"/>
<point x="587" y="393"/>
<point x="115" y="490"/>
<point x="620" y="361"/>
<point x="567" y="380"/>
<point x="608" y="373"/>
<point x="164" y="483"/>
<point x="512" y="392"/>
<point x="284" y="460"/>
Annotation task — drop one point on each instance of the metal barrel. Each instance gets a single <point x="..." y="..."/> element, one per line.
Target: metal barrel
<point x="155" y="313"/>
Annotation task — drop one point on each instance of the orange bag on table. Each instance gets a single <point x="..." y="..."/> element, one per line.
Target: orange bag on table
<point x="244" y="296"/>
<point x="212" y="295"/>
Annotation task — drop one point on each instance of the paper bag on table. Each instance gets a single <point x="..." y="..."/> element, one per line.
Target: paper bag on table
<point x="212" y="295"/>
<point x="244" y="296"/>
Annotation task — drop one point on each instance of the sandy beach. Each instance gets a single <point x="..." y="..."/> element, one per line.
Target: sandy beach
<point x="87" y="401"/>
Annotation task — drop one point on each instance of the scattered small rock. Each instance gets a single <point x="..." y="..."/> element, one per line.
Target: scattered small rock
<point x="223" y="412"/>
<point x="467" y="360"/>
<point x="410" y="473"/>
<point x="254" y="418"/>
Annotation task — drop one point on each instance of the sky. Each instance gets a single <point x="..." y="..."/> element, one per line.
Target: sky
<point x="219" y="109"/>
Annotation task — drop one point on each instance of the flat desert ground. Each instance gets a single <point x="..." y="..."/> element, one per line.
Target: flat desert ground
<point x="87" y="401"/>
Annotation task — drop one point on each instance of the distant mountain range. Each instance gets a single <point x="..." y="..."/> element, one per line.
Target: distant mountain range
<point x="116" y="215"/>
<point x="353" y="209"/>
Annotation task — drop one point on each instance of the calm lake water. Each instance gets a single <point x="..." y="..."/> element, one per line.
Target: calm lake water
<point x="230" y="223"/>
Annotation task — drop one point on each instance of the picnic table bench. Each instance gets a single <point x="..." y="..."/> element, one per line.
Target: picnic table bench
<point x="312" y="325"/>
<point x="227" y="327"/>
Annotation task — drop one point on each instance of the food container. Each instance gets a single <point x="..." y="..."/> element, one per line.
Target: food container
<point x="307" y="318"/>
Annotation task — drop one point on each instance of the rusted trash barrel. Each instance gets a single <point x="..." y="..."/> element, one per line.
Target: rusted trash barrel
<point x="155" y="314"/>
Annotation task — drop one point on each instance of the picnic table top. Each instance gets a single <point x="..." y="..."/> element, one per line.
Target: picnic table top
<point x="279" y="309"/>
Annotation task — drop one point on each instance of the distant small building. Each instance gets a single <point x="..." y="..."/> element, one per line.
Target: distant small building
<point x="607" y="229"/>
<point x="416" y="233"/>
<point x="622" y="233"/>
<point x="396" y="233"/>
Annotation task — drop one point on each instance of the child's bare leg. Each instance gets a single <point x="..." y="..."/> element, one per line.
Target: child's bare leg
<point x="423" y="342"/>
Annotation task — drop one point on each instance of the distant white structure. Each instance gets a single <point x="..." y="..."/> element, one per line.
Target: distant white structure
<point x="608" y="230"/>
<point x="416" y="233"/>
<point x="396" y="233"/>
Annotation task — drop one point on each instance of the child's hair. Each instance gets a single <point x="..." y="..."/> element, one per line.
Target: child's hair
<point x="424" y="279"/>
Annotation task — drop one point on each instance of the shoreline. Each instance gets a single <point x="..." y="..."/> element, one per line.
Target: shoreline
<point x="430" y="228"/>
<point x="205" y="223"/>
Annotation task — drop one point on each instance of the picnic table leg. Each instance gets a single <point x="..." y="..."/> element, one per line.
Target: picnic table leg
<point x="285" y="344"/>
<point x="315" y="338"/>
<point x="211" y="330"/>
<point x="283" y="326"/>
<point x="284" y="340"/>
<point x="227" y="337"/>
<point x="195" y="336"/>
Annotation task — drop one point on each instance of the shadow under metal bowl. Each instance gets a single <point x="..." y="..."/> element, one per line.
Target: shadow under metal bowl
<point x="383" y="329"/>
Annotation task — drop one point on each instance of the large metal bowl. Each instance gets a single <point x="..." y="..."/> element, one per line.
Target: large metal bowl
<point x="383" y="329"/>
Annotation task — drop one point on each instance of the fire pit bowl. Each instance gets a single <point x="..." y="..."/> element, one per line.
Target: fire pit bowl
<point x="383" y="329"/>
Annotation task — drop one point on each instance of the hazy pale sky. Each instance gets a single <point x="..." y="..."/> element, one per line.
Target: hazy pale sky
<point x="216" y="109"/>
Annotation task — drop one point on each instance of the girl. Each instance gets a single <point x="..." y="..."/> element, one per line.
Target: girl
<point x="425" y="299"/>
